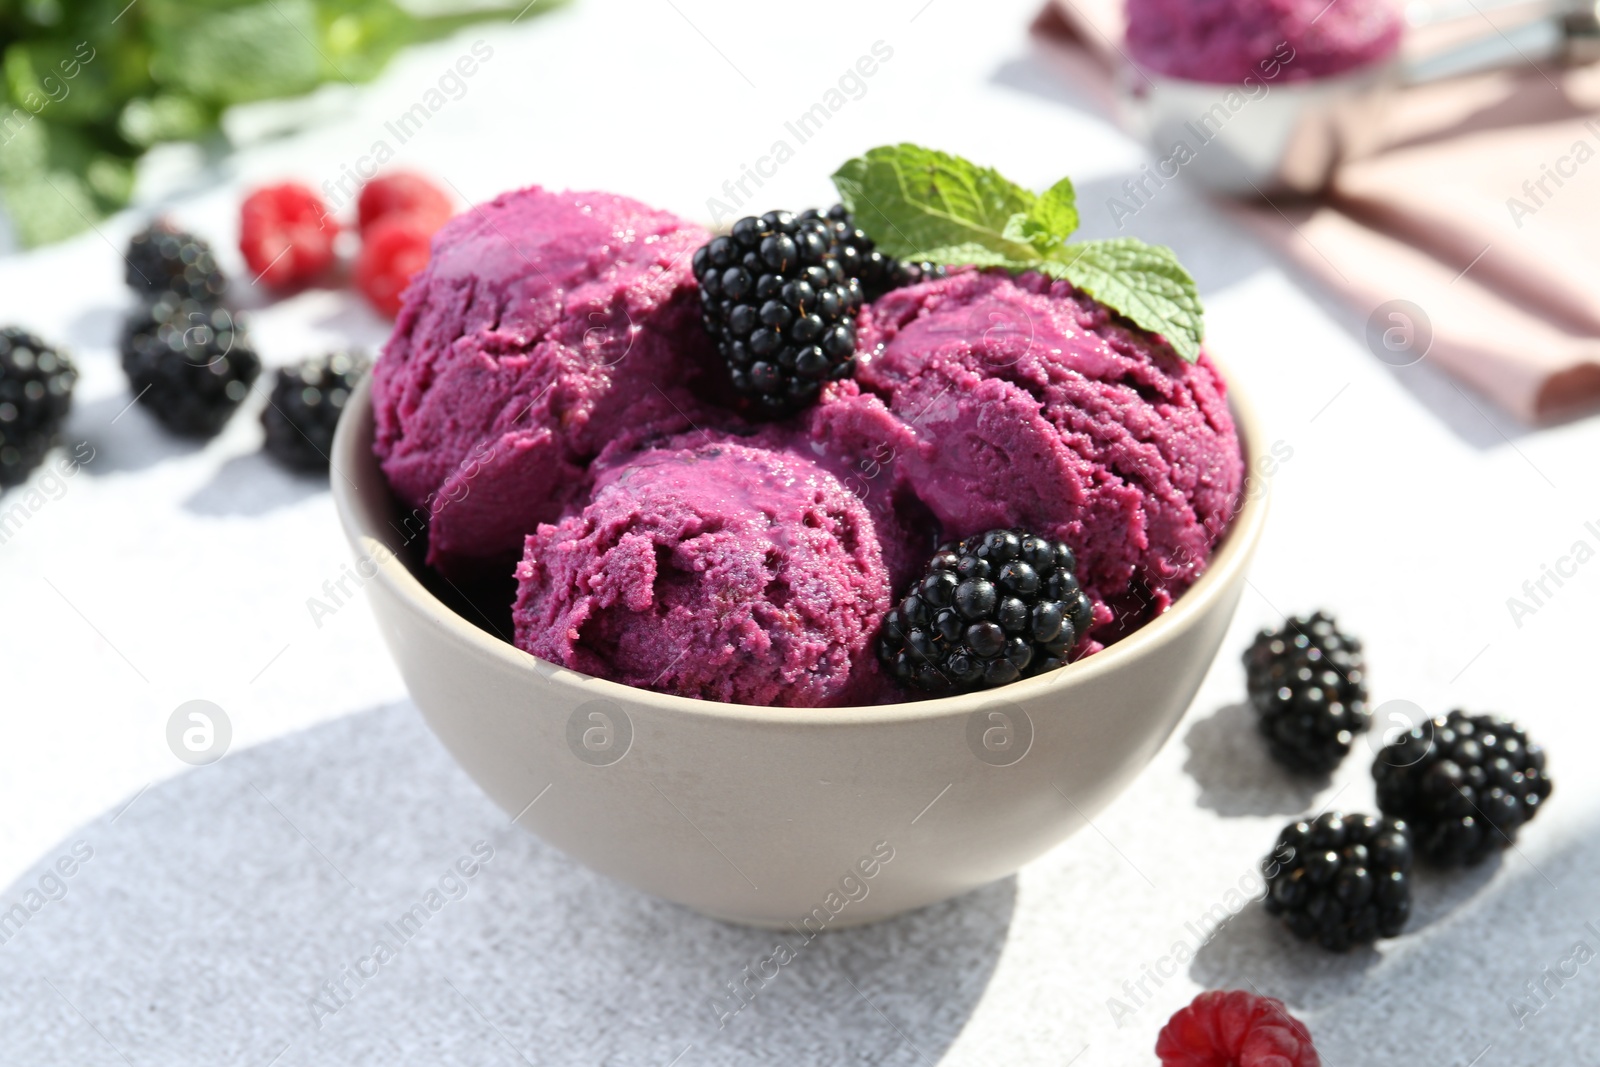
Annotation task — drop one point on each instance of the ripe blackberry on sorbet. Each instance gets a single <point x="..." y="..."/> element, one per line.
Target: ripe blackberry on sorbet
<point x="1466" y="784"/>
<point x="994" y="608"/>
<point x="1307" y="682"/>
<point x="164" y="259"/>
<point x="859" y="256"/>
<point x="36" y="384"/>
<point x="189" y="363"/>
<point x="1341" y="880"/>
<point x="780" y="293"/>
<point x="306" y="402"/>
<point x="780" y="308"/>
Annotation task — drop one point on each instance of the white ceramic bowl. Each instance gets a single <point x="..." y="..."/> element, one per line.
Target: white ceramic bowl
<point x="776" y="816"/>
<point x="1265" y="138"/>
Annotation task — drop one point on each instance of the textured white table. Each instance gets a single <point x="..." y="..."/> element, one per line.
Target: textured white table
<point x="218" y="900"/>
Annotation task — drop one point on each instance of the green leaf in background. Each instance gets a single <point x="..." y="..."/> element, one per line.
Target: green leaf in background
<point x="1144" y="282"/>
<point x="359" y="36"/>
<point x="147" y="121"/>
<point x="43" y="171"/>
<point x="110" y="178"/>
<point x="234" y="55"/>
<point x="920" y="204"/>
<point x="24" y="149"/>
<point x="86" y="86"/>
<point x="74" y="81"/>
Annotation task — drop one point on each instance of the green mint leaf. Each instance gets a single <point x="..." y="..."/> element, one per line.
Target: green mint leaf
<point x="1019" y="229"/>
<point x="974" y="255"/>
<point x="916" y="202"/>
<point x="920" y="204"/>
<point x="1052" y="219"/>
<point x="1144" y="282"/>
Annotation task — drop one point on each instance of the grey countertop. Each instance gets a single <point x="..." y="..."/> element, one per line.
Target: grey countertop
<point x="208" y="906"/>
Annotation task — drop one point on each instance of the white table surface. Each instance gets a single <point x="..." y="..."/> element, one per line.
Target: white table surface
<point x="214" y="906"/>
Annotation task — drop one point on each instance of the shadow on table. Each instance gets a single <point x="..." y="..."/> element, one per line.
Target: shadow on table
<point x="125" y="436"/>
<point x="233" y="914"/>
<point x="99" y="325"/>
<point x="366" y="330"/>
<point x="1256" y="948"/>
<point x="1178" y="215"/>
<point x="1228" y="759"/>
<point x="1458" y="980"/>
<point x="1034" y="75"/>
<point x="253" y="484"/>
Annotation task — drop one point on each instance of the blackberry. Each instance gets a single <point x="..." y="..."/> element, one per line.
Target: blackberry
<point x="989" y="610"/>
<point x="860" y="258"/>
<point x="189" y="363"/>
<point x="1308" y="685"/>
<point x="1466" y="783"/>
<point x="780" y="308"/>
<point x="162" y="258"/>
<point x="1341" y="880"/>
<point x="35" y="395"/>
<point x="306" y="402"/>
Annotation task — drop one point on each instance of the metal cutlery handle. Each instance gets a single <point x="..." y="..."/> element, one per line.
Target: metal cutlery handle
<point x="1564" y="34"/>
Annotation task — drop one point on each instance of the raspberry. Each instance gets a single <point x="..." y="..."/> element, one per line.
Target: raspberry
<point x="286" y="235"/>
<point x="402" y="193"/>
<point x="393" y="250"/>
<point x="1235" y="1029"/>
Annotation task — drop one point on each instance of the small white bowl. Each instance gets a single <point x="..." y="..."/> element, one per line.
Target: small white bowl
<point x="1260" y="139"/>
<point x="783" y="816"/>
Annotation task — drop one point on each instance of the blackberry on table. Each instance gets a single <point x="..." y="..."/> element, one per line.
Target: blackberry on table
<point x="189" y="363"/>
<point x="1341" y="880"/>
<point x="1307" y="682"/>
<point x="994" y="608"/>
<point x="860" y="258"/>
<point x="780" y="308"/>
<point x="164" y="259"/>
<point x="36" y="384"/>
<point x="1466" y="784"/>
<point x="306" y="402"/>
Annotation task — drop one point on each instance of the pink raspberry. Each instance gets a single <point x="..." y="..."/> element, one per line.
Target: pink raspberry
<point x="402" y="193"/>
<point x="1235" y="1029"/>
<point x="286" y="235"/>
<point x="393" y="249"/>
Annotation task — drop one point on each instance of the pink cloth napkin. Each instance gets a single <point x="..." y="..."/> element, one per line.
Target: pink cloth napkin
<point x="1507" y="273"/>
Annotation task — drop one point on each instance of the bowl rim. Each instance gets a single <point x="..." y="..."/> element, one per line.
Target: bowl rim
<point x="1371" y="72"/>
<point x="354" y="463"/>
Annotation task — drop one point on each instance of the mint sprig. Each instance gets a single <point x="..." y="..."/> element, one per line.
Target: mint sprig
<point x="921" y="204"/>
